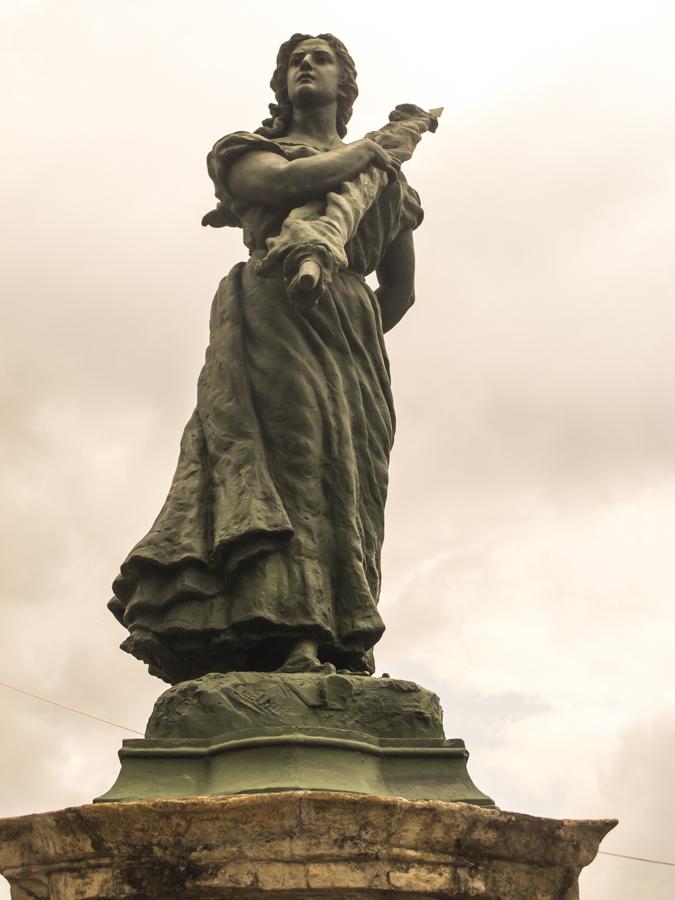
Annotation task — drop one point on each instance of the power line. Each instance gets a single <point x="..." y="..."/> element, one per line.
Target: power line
<point x="69" y="708"/>
<point x="656" y="862"/>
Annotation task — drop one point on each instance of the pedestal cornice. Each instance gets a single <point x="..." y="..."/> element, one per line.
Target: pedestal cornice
<point x="305" y="844"/>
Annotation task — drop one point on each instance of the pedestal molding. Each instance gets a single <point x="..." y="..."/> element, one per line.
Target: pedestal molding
<point x="295" y="845"/>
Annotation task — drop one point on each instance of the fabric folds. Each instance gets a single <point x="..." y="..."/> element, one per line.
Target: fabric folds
<point x="273" y="525"/>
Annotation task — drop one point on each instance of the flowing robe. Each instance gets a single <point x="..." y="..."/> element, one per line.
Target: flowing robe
<point x="273" y="526"/>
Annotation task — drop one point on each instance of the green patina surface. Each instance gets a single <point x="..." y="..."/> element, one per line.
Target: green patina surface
<point x="255" y="732"/>
<point x="217" y="705"/>
<point x="256" y="590"/>
<point x="266" y="554"/>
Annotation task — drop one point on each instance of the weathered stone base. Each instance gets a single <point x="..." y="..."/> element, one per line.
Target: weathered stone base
<point x="295" y="846"/>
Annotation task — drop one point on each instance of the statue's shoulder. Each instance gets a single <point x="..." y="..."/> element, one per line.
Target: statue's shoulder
<point x="237" y="142"/>
<point x="225" y="151"/>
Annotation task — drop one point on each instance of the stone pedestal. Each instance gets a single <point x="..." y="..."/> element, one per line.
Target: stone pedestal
<point x="246" y="732"/>
<point x="294" y="846"/>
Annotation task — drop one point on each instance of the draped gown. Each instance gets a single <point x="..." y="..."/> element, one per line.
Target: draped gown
<point x="273" y="525"/>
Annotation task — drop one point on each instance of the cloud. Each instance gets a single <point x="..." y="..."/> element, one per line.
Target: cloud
<point x="637" y="781"/>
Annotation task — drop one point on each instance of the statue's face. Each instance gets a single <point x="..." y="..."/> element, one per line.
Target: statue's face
<point x="313" y="75"/>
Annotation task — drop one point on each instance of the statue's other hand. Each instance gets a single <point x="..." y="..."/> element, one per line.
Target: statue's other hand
<point x="306" y="287"/>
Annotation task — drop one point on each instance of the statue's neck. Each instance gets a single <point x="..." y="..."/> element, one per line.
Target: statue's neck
<point x="315" y="125"/>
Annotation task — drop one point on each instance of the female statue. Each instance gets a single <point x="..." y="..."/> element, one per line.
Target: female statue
<point x="266" y="554"/>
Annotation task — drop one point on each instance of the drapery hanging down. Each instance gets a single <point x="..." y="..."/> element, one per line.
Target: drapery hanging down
<point x="273" y="526"/>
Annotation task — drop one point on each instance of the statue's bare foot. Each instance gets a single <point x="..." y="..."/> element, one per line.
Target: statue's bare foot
<point x="304" y="658"/>
<point x="303" y="663"/>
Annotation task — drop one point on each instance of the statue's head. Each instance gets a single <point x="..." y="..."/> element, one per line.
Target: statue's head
<point x="289" y="57"/>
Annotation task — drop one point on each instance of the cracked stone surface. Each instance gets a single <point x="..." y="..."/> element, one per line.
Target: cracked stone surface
<point x="304" y="844"/>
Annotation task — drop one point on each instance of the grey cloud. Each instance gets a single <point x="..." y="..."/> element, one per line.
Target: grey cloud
<point x="638" y="782"/>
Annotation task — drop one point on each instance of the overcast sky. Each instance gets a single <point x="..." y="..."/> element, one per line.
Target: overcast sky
<point x="529" y="570"/>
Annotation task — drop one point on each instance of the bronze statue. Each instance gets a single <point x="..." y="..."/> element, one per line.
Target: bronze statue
<point x="266" y="553"/>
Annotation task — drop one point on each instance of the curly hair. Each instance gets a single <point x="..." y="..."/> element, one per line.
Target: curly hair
<point x="282" y="111"/>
